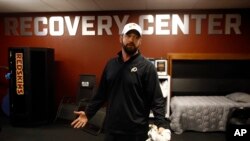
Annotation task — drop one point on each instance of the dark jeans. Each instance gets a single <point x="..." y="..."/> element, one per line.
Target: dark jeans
<point x="122" y="137"/>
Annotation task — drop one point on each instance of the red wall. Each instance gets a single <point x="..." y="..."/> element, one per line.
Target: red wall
<point x="88" y="54"/>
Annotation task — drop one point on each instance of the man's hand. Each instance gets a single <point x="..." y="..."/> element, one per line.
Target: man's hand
<point x="81" y="120"/>
<point x="165" y="134"/>
<point x="160" y="129"/>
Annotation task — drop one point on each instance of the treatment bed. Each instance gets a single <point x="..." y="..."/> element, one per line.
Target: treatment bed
<point x="204" y="87"/>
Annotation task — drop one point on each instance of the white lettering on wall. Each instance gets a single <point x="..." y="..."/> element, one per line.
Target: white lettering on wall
<point x="102" y="26"/>
<point x="162" y="24"/>
<point x="87" y="24"/>
<point x="150" y="19"/>
<point x="177" y="22"/>
<point x="198" y="19"/>
<point x="56" y="30"/>
<point x="25" y="25"/>
<point x="119" y="23"/>
<point x="72" y="28"/>
<point x="159" y="24"/>
<point x="233" y="21"/>
<point x="38" y="23"/>
<point x="214" y="24"/>
<point x="11" y="25"/>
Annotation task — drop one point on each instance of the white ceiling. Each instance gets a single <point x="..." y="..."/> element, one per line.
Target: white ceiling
<point x="7" y="6"/>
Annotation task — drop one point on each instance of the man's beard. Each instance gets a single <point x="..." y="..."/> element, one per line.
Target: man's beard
<point x="130" y="49"/>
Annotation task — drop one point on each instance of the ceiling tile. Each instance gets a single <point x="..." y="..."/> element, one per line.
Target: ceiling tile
<point x="219" y="4"/>
<point x="121" y="4"/>
<point x="23" y="6"/>
<point x="58" y="5"/>
<point x="170" y="4"/>
<point x="84" y="5"/>
<point x="111" y="5"/>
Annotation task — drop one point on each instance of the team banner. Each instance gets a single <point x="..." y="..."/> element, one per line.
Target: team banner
<point x="19" y="74"/>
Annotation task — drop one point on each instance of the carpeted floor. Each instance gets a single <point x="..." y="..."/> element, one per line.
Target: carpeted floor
<point x="61" y="131"/>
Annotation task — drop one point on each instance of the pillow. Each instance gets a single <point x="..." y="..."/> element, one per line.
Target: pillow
<point x="239" y="97"/>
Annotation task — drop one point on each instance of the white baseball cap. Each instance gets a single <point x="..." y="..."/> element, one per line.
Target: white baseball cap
<point x="132" y="26"/>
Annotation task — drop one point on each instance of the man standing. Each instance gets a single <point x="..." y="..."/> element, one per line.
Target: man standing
<point x="130" y="88"/>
